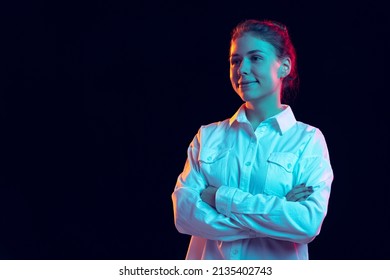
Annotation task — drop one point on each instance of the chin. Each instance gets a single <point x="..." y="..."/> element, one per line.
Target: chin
<point x="249" y="96"/>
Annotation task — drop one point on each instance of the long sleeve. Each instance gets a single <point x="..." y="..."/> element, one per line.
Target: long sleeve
<point x="275" y="217"/>
<point x="193" y="216"/>
<point x="253" y="171"/>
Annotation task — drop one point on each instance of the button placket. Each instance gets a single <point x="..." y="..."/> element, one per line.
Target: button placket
<point x="247" y="165"/>
<point x="260" y="131"/>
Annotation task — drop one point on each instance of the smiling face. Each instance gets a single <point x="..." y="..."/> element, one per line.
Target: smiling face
<point x="255" y="70"/>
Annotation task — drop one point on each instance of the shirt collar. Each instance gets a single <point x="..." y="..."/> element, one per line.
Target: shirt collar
<point x="284" y="120"/>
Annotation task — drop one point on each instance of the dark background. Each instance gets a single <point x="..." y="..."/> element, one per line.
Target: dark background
<point x="99" y="101"/>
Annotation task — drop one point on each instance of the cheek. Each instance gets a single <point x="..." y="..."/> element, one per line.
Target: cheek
<point x="231" y="73"/>
<point x="259" y="71"/>
<point x="275" y="76"/>
<point x="268" y="75"/>
<point x="233" y="76"/>
<point x="275" y="72"/>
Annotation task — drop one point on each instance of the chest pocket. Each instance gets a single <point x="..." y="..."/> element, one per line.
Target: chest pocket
<point x="280" y="177"/>
<point x="213" y="165"/>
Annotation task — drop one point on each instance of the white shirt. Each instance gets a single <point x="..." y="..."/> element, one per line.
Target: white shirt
<point x="253" y="171"/>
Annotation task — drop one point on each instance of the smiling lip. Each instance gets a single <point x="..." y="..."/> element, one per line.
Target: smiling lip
<point x="243" y="84"/>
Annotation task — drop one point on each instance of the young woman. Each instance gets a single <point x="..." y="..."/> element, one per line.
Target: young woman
<point x="256" y="185"/>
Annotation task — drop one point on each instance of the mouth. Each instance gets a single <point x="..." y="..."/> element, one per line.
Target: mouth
<point x="245" y="84"/>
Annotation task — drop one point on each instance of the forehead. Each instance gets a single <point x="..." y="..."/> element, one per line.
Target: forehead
<point x="249" y="42"/>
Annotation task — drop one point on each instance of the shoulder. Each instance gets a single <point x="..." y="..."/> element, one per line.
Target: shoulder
<point x="307" y="129"/>
<point x="214" y="130"/>
<point x="212" y="133"/>
<point x="219" y="126"/>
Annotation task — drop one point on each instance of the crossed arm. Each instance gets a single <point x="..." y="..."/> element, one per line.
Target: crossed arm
<point x="228" y="213"/>
<point x="298" y="193"/>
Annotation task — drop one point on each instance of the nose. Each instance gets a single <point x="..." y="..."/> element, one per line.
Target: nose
<point x="243" y="69"/>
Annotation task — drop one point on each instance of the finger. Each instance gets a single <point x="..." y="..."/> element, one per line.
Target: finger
<point x="297" y="190"/>
<point x="294" y="190"/>
<point x="298" y="193"/>
<point x="289" y="196"/>
<point x="297" y="199"/>
<point x="302" y="189"/>
<point x="299" y="196"/>
<point x="303" y="196"/>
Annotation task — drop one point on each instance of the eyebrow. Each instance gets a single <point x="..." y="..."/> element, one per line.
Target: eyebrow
<point x="250" y="52"/>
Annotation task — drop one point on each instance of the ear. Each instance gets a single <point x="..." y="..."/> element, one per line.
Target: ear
<point x="285" y="67"/>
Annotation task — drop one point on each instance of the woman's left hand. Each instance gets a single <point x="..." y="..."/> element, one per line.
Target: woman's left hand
<point x="299" y="193"/>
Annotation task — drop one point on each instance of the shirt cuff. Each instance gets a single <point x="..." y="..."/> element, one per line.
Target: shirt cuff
<point x="224" y="200"/>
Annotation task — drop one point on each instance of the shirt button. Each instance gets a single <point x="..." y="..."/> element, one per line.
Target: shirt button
<point x="247" y="163"/>
<point x="209" y="158"/>
<point x="235" y="251"/>
<point x="289" y="165"/>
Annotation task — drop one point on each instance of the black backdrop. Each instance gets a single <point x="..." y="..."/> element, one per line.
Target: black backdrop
<point x="99" y="101"/>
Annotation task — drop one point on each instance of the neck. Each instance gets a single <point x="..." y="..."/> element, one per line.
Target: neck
<point x="260" y="110"/>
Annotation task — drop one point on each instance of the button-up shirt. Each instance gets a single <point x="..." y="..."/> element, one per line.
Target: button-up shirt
<point x="253" y="171"/>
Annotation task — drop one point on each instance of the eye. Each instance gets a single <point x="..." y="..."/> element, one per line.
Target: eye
<point x="256" y="58"/>
<point x="234" y="61"/>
